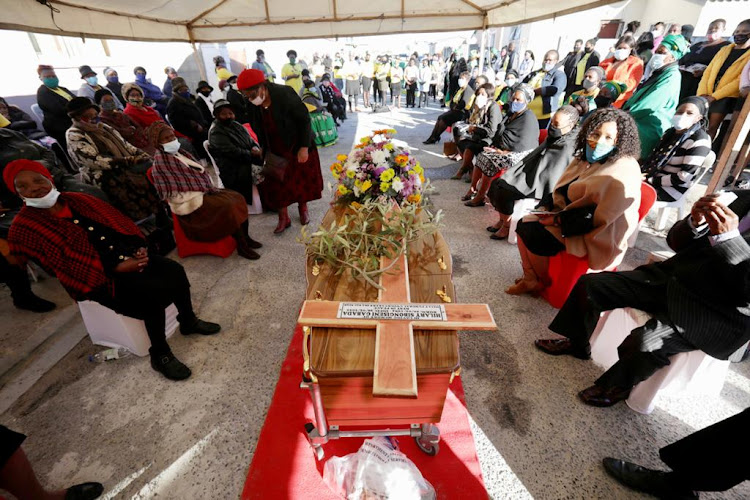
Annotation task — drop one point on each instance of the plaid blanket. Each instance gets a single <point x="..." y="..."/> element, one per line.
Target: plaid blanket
<point x="63" y="248"/>
<point x="172" y="176"/>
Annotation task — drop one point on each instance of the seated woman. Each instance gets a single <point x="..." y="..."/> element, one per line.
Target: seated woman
<point x="185" y="116"/>
<point x="609" y="93"/>
<point x="672" y="166"/>
<point x="591" y="81"/>
<point x="135" y="109"/>
<point x="593" y="208"/>
<point x="20" y="121"/>
<point x="205" y="213"/>
<point x="473" y="135"/>
<point x="323" y="124"/>
<point x="110" y="162"/>
<point x="505" y="92"/>
<point x="517" y="135"/>
<point x="115" y="118"/>
<point x="333" y="99"/>
<point x="535" y="175"/>
<point x="459" y="104"/>
<point x="237" y="154"/>
<point x="99" y="254"/>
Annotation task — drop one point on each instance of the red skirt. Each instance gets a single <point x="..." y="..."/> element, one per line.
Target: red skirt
<point x="303" y="182"/>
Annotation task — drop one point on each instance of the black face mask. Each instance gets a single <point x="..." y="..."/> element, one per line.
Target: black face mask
<point x="740" y="39"/>
<point x="226" y="121"/>
<point x="589" y="50"/>
<point x="205" y="93"/>
<point x="554" y="132"/>
<point x="602" y="102"/>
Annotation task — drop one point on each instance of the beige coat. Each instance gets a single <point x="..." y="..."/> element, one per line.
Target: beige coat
<point x="615" y="189"/>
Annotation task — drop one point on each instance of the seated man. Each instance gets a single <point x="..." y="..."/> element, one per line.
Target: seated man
<point x="698" y="299"/>
<point x="99" y="254"/>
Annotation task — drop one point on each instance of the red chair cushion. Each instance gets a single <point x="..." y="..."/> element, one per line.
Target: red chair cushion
<point x="186" y="247"/>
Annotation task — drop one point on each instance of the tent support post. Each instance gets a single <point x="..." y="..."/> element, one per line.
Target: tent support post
<point x="199" y="62"/>
<point x="483" y="44"/>
<point x="738" y="132"/>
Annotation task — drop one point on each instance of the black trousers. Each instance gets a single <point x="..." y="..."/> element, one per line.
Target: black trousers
<point x="145" y="295"/>
<point x="647" y="348"/>
<point x="411" y="89"/>
<point x="16" y="278"/>
<point x="503" y="196"/>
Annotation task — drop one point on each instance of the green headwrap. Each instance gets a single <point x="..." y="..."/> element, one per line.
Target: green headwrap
<point x="616" y="89"/>
<point x="676" y="44"/>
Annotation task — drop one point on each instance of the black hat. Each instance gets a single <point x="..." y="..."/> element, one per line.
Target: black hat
<point x="85" y="70"/>
<point x="291" y="52"/>
<point x="78" y="105"/>
<point x="101" y="93"/>
<point x="221" y="103"/>
<point x="203" y="84"/>
<point x="232" y="79"/>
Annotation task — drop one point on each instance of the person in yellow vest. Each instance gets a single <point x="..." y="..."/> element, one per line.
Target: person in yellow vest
<point x="382" y="69"/>
<point x="291" y="73"/>
<point x="397" y="76"/>
<point x="261" y="65"/>
<point x="352" y="73"/>
<point x="549" y="84"/>
<point x="720" y="83"/>
<point x="222" y="73"/>
<point x="589" y="91"/>
<point x="53" y="101"/>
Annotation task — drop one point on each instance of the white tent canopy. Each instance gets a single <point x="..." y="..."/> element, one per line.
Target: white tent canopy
<point x="241" y="20"/>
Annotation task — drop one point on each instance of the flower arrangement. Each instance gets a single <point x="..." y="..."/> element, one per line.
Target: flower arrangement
<point x="377" y="168"/>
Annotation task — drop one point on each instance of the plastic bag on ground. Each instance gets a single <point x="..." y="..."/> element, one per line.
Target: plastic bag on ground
<point x="377" y="471"/>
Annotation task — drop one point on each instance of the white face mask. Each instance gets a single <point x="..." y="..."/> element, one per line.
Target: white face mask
<point x="622" y="54"/>
<point x="171" y="147"/>
<point x="587" y="84"/>
<point x="510" y="82"/>
<point x="657" y="61"/>
<point x="712" y="37"/>
<point x="682" y="121"/>
<point x="481" y="101"/>
<point x="462" y="82"/>
<point x="258" y="99"/>
<point x="46" y="201"/>
<point x="549" y="66"/>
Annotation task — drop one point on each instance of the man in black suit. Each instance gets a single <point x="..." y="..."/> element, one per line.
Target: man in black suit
<point x="699" y="462"/>
<point x="698" y="299"/>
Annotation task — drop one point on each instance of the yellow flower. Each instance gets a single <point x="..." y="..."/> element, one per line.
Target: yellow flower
<point x="336" y="168"/>
<point x="343" y="189"/>
<point x="342" y="158"/>
<point x="366" y="185"/>
<point x="389" y="146"/>
<point x="365" y="140"/>
<point x="414" y="198"/>
<point x="350" y="174"/>
<point x="421" y="177"/>
<point x="391" y="131"/>
<point x="401" y="160"/>
<point x="418" y="168"/>
<point x="355" y="205"/>
<point x="384" y="186"/>
<point x="387" y="175"/>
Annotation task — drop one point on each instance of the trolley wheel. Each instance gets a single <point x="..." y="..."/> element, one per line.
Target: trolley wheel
<point x="309" y="426"/>
<point x="319" y="453"/>
<point x="430" y="449"/>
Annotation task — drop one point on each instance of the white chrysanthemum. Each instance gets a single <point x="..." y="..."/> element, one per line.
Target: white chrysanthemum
<point x="378" y="157"/>
<point x="397" y="184"/>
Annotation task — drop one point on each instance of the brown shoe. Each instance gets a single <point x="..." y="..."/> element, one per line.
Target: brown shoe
<point x="559" y="347"/>
<point x="603" y="397"/>
<point x="525" y="286"/>
<point x="254" y="244"/>
<point x="304" y="217"/>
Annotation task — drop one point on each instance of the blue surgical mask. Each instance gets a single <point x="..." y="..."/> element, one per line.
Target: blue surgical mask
<point x="599" y="153"/>
<point x="91" y="80"/>
<point x="517" y="107"/>
<point x="51" y="82"/>
<point x="113" y="79"/>
<point x="185" y="94"/>
<point x="141" y="77"/>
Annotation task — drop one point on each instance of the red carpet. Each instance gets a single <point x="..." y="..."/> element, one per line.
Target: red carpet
<point x="284" y="465"/>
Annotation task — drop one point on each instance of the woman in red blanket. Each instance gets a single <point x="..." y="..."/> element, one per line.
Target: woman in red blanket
<point x="99" y="254"/>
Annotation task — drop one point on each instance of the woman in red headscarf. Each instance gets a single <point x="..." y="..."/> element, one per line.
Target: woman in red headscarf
<point x="282" y="123"/>
<point x="99" y="254"/>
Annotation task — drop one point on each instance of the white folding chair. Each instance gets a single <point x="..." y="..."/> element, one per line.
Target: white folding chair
<point x="520" y="209"/>
<point x="38" y="113"/>
<point x="681" y="203"/>
<point x="254" y="209"/>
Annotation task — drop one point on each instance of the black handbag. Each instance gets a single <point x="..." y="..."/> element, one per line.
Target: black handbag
<point x="576" y="221"/>
<point x="274" y="166"/>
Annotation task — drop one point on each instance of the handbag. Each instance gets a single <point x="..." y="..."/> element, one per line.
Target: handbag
<point x="450" y="149"/>
<point x="274" y="166"/>
<point x="576" y="221"/>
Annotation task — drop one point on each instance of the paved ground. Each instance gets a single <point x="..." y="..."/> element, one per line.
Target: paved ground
<point x="144" y="437"/>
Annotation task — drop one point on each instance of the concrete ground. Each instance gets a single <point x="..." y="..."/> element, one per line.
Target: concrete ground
<point x="144" y="437"/>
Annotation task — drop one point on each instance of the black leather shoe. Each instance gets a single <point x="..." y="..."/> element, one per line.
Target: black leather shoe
<point x="603" y="397"/>
<point x="200" y="327"/>
<point x="645" y="480"/>
<point x="254" y="244"/>
<point x="33" y="303"/>
<point x="558" y="347"/>
<point x="169" y="366"/>
<point x="430" y="141"/>
<point x="84" y="491"/>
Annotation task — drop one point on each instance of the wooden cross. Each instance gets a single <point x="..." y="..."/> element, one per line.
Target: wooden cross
<point x="395" y="371"/>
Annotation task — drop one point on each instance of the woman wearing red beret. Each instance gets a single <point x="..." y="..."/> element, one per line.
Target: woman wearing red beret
<point x="282" y="123"/>
<point x="99" y="254"/>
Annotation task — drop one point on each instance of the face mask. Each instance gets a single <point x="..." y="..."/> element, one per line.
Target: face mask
<point x="589" y="50"/>
<point x="712" y="37"/>
<point x="259" y="99"/>
<point x="113" y="79"/>
<point x="109" y="106"/>
<point x="599" y="153"/>
<point x="292" y="60"/>
<point x="205" y="93"/>
<point x="171" y="147"/>
<point x="548" y="66"/>
<point x="226" y="121"/>
<point x="682" y="122"/>
<point x="517" y="107"/>
<point x="185" y="94"/>
<point x="587" y="84"/>
<point x="135" y="101"/>
<point x="46" y="201"/>
<point x="498" y="83"/>
<point x="140" y="77"/>
<point x="480" y="101"/>
<point x="95" y="120"/>
<point x="740" y="39"/>
<point x="622" y="54"/>
<point x="602" y="102"/>
<point x="51" y="82"/>
<point x="91" y="80"/>
<point x="462" y="82"/>
<point x="510" y="82"/>
<point x="657" y="61"/>
<point x="554" y="132"/>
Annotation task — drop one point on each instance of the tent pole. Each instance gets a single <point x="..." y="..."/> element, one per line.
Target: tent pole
<point x="199" y="62"/>
<point x="738" y="131"/>
<point x="483" y="44"/>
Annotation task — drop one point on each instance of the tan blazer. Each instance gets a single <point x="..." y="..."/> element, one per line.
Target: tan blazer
<point x="615" y="189"/>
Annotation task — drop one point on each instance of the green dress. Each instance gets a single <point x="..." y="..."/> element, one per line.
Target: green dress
<point x="653" y="104"/>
